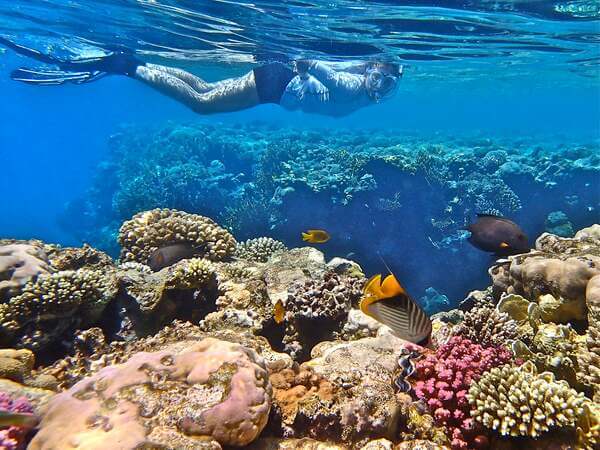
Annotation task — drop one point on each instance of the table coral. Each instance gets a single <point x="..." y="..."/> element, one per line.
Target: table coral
<point x="259" y="249"/>
<point x="517" y="401"/>
<point x="444" y="378"/>
<point x="211" y="390"/>
<point x="150" y="230"/>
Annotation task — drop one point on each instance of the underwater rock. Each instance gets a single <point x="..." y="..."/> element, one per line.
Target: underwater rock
<point x="315" y="309"/>
<point x="359" y="325"/>
<point x="37" y="397"/>
<point x="362" y="375"/>
<point x="152" y="299"/>
<point x="148" y="231"/>
<point x="213" y="391"/>
<point x="293" y="444"/>
<point x="516" y="401"/>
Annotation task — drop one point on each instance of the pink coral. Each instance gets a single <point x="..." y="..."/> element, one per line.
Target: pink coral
<point x="444" y="379"/>
<point x="13" y="438"/>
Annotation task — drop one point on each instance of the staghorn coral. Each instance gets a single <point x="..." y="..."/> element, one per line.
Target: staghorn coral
<point x="517" y="401"/>
<point x="20" y="262"/>
<point x="259" y="249"/>
<point x="317" y="308"/>
<point x="212" y="390"/>
<point x="150" y="230"/>
<point x="444" y="378"/>
<point x="53" y="304"/>
<point x="14" y="438"/>
<point x="487" y="326"/>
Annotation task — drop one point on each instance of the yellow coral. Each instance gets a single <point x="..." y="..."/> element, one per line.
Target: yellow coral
<point x="516" y="401"/>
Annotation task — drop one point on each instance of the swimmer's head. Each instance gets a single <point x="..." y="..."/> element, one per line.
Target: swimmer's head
<point x="381" y="79"/>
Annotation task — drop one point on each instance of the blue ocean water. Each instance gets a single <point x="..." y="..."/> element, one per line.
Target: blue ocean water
<point x="492" y="75"/>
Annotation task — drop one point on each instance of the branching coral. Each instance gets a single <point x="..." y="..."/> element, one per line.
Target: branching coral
<point x="150" y="230"/>
<point x="487" y="326"/>
<point x="444" y="378"/>
<point x="190" y="274"/>
<point x="259" y="249"/>
<point x="54" y="303"/>
<point x="516" y="401"/>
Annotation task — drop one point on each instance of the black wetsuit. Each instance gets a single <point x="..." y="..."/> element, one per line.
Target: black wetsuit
<point x="271" y="81"/>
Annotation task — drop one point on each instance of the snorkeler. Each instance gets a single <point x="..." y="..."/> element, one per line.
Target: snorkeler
<point x="310" y="86"/>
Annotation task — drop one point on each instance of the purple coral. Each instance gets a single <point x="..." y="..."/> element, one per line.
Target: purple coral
<point x="444" y="379"/>
<point x="13" y="438"/>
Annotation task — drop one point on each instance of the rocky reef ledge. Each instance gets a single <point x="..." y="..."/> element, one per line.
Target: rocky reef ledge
<point x="254" y="344"/>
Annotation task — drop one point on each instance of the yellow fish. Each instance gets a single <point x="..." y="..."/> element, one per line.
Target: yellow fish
<point x="316" y="236"/>
<point x="279" y="312"/>
<point x="388" y="303"/>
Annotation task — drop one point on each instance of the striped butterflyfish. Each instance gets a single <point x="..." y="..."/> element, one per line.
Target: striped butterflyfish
<point x="388" y="303"/>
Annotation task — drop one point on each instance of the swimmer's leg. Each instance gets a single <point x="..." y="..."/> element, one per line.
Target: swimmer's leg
<point x="228" y="95"/>
<point x="196" y="83"/>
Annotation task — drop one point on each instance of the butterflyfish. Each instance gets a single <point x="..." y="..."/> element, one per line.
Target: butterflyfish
<point x="279" y="312"/>
<point x="316" y="236"/>
<point x="497" y="235"/>
<point x="387" y="302"/>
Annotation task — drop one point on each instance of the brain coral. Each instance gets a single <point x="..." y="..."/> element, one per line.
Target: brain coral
<point x="517" y="401"/>
<point x="148" y="231"/>
<point x="212" y="392"/>
<point x="54" y="303"/>
<point x="20" y="263"/>
<point x="259" y="249"/>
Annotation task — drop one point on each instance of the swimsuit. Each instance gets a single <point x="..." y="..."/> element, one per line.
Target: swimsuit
<point x="271" y="81"/>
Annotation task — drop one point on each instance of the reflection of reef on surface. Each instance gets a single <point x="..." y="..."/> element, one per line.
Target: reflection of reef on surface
<point x="373" y="191"/>
<point x="192" y="357"/>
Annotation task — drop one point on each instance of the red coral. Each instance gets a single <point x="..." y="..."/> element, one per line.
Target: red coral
<point x="13" y="438"/>
<point x="444" y="379"/>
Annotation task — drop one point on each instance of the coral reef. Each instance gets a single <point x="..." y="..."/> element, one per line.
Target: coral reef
<point x="516" y="401"/>
<point x="148" y="231"/>
<point x="259" y="249"/>
<point x="444" y="378"/>
<point x="13" y="437"/>
<point x="256" y="178"/>
<point x="214" y="390"/>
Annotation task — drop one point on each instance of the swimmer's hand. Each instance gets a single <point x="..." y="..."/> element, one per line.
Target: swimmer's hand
<point x="312" y="86"/>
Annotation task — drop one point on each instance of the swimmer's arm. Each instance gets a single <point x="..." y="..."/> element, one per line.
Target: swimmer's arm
<point x="331" y="78"/>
